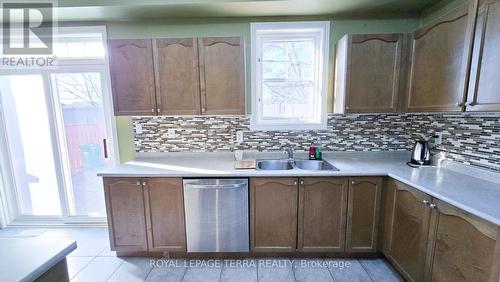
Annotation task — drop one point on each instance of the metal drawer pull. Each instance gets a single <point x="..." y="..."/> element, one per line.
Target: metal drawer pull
<point x="138" y="183"/>
<point x="433" y="206"/>
<point x="225" y="186"/>
<point x="425" y="202"/>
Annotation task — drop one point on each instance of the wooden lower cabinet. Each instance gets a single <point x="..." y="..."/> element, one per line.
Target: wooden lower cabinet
<point x="145" y="214"/>
<point x="165" y="214"/>
<point x="322" y="214"/>
<point x="273" y="214"/>
<point x="363" y="214"/>
<point x="126" y="217"/>
<point x="408" y="221"/>
<point x="463" y="247"/>
<point x="429" y="240"/>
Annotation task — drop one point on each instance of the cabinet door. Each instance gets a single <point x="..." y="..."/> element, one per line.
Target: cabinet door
<point x="273" y="214"/>
<point x="363" y="211"/>
<point x="132" y="76"/>
<point x="373" y="73"/>
<point x="440" y="62"/>
<point x="126" y="217"/>
<point x="165" y="214"/>
<point x="409" y="226"/>
<point x="222" y="75"/>
<point x="178" y="87"/>
<point x="464" y="247"/>
<point x="322" y="213"/>
<point x="484" y="83"/>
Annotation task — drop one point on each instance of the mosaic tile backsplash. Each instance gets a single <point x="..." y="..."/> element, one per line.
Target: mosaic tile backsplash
<point x="467" y="138"/>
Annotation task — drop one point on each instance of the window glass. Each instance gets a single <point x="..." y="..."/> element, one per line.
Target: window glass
<point x="289" y="74"/>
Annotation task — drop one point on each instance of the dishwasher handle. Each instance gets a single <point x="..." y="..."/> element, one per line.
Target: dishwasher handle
<point x="215" y="186"/>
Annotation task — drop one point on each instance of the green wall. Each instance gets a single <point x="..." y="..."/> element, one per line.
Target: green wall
<point x="241" y="27"/>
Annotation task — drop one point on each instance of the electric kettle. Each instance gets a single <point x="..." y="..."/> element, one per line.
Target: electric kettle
<point x="421" y="154"/>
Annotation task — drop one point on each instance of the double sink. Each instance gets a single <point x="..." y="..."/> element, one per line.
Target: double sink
<point x="295" y="164"/>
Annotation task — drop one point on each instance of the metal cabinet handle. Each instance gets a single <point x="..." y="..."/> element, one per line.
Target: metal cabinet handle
<point x="302" y="182"/>
<point x="353" y="182"/>
<point x="433" y="206"/>
<point x="158" y="110"/>
<point x="152" y="110"/>
<point x="295" y="183"/>
<point x="203" y="110"/>
<point x="425" y="202"/>
<point x="144" y="183"/>
<point x="138" y="183"/>
<point x="226" y="186"/>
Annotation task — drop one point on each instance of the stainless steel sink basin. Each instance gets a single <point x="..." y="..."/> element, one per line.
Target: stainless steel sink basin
<point x="314" y="165"/>
<point x="274" y="165"/>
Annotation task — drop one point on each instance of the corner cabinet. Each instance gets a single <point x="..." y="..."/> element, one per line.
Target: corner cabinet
<point x="440" y="62"/>
<point x="145" y="214"/>
<point x="429" y="240"/>
<point x="178" y="76"/>
<point x="484" y="83"/>
<point x="363" y="214"/>
<point x="322" y="214"/>
<point x="370" y="72"/>
<point x="132" y="76"/>
<point x="408" y="223"/>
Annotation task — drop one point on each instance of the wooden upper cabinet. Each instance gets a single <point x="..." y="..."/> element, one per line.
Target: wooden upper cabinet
<point x="369" y="73"/>
<point x="132" y="76"/>
<point x="126" y="217"/>
<point x="177" y="83"/>
<point x="273" y="214"/>
<point x="222" y="75"/>
<point x="441" y="53"/>
<point x="484" y="84"/>
<point x="408" y="226"/>
<point x="322" y="214"/>
<point x="165" y="214"/>
<point x="465" y="247"/>
<point x="363" y="214"/>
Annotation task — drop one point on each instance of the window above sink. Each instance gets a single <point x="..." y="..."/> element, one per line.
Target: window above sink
<point x="289" y="75"/>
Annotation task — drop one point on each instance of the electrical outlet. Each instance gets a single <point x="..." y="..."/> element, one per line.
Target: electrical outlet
<point x="439" y="139"/>
<point x="239" y="136"/>
<point x="138" y="129"/>
<point x="171" y="133"/>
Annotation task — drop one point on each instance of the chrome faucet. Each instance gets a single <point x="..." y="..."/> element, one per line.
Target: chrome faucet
<point x="288" y="152"/>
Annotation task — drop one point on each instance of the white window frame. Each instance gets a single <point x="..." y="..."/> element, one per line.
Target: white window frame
<point x="320" y="31"/>
<point x="12" y="215"/>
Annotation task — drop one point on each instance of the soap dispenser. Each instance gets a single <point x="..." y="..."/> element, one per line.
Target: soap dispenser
<point x="318" y="155"/>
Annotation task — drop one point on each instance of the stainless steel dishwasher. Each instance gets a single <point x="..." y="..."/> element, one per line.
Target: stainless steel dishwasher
<point x="216" y="215"/>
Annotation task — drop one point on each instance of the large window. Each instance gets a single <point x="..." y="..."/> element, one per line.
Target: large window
<point x="289" y="75"/>
<point x="58" y="128"/>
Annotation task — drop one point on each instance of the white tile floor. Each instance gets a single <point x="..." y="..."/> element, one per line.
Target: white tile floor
<point x="93" y="261"/>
